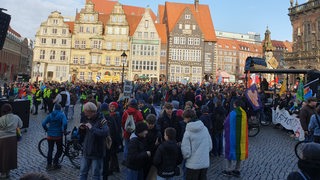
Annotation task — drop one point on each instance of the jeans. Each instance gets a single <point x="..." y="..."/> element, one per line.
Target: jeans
<point x="125" y="149"/>
<point x="95" y="164"/>
<point x="71" y="113"/>
<point x="134" y="175"/>
<point x="218" y="144"/>
<point x="50" y="151"/>
<point x="196" y="174"/>
<point x="66" y="110"/>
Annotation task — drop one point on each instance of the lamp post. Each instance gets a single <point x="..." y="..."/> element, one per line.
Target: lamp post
<point x="123" y="58"/>
<point x="38" y="72"/>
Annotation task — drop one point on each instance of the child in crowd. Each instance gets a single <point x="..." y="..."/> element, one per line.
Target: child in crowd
<point x="168" y="156"/>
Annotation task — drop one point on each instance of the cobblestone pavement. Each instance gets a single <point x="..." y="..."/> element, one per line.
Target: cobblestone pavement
<point x="271" y="155"/>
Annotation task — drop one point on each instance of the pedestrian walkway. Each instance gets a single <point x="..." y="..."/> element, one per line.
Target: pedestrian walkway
<point x="271" y="155"/>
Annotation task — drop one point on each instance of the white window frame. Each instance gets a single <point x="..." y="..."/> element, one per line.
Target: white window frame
<point x="62" y="55"/>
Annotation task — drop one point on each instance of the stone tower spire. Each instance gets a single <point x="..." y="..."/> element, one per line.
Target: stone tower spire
<point x="267" y="45"/>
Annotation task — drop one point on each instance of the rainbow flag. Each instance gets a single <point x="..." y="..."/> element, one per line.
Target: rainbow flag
<point x="307" y="93"/>
<point x="236" y="135"/>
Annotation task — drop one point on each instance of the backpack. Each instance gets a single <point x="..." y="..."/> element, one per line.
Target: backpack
<point x="129" y="126"/>
<point x="63" y="100"/>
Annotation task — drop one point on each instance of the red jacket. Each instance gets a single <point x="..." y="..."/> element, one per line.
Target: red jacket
<point x="137" y="116"/>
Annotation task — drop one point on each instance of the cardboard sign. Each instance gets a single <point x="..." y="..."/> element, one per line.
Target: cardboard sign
<point x="127" y="89"/>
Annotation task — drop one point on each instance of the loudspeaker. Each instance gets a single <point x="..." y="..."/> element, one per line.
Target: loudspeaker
<point x="4" y="25"/>
<point x="21" y="108"/>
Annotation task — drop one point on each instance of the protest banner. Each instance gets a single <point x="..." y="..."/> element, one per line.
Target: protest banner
<point x="290" y="122"/>
<point x="127" y="89"/>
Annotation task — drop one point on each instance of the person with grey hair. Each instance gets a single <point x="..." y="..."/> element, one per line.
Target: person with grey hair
<point x="94" y="146"/>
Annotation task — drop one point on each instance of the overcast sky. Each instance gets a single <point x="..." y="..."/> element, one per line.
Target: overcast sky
<point x="240" y="16"/>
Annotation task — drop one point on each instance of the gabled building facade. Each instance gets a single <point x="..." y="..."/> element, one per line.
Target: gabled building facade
<point x="191" y="42"/>
<point x="52" y="50"/>
<point x="145" y="49"/>
<point x="87" y="45"/>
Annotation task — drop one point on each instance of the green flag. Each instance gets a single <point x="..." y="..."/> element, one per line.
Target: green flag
<point x="300" y="92"/>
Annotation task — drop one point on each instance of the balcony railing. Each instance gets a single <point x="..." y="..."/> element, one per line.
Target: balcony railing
<point x="304" y="7"/>
<point x="301" y="55"/>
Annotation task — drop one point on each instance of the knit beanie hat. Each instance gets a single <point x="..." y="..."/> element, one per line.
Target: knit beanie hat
<point x="104" y="107"/>
<point x="115" y="104"/>
<point x="140" y="127"/>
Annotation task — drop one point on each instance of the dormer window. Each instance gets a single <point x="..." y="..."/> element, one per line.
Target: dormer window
<point x="187" y="16"/>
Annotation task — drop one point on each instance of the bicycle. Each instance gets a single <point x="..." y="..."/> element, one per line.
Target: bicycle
<point x="267" y="110"/>
<point x="70" y="148"/>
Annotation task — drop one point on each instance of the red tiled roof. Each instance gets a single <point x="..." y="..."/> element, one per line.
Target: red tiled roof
<point x="202" y="16"/>
<point x="161" y="28"/>
<point x="71" y="26"/>
<point x="14" y="32"/>
<point x="161" y="13"/>
<point x="106" y="7"/>
<point x="227" y="42"/>
<point x="288" y="45"/>
<point x="133" y="22"/>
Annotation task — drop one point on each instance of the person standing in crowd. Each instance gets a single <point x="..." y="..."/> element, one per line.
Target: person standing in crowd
<point x="113" y="118"/>
<point x="73" y="102"/>
<point x="65" y="100"/>
<point x="196" y="146"/>
<point x="218" y="117"/>
<point x="94" y="146"/>
<point x="137" y="153"/>
<point x="169" y="119"/>
<point x="9" y="122"/>
<point x="153" y="139"/>
<point x="308" y="164"/>
<point x="55" y="124"/>
<point x="305" y="114"/>
<point x="37" y="100"/>
<point x="314" y="125"/>
<point x="236" y="139"/>
<point x="137" y="117"/>
<point x="168" y="156"/>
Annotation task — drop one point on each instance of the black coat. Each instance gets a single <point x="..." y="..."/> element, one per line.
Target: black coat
<point x="168" y="156"/>
<point x="164" y="122"/>
<point x="137" y="154"/>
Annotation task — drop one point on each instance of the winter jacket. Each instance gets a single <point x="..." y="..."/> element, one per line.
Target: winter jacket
<point x="94" y="146"/>
<point x="305" y="114"/>
<point x="151" y="138"/>
<point x="55" y="123"/>
<point x="196" y="145"/>
<point x="137" y="116"/>
<point x="137" y="154"/>
<point x="10" y="122"/>
<point x="164" y="122"/>
<point x="168" y="156"/>
<point x="207" y="120"/>
<point x="314" y="125"/>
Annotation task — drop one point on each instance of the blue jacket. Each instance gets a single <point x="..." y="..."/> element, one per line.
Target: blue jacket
<point x="314" y="125"/>
<point x="55" y="123"/>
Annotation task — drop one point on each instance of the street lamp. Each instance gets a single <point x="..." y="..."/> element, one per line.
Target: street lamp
<point x="38" y="72"/>
<point x="123" y="58"/>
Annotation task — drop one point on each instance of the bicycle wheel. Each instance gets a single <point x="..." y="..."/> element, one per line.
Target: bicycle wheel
<point x="43" y="147"/>
<point x="74" y="153"/>
<point x="253" y="130"/>
<point x="299" y="147"/>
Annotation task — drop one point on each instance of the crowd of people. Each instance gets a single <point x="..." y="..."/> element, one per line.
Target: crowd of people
<point x="164" y="129"/>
